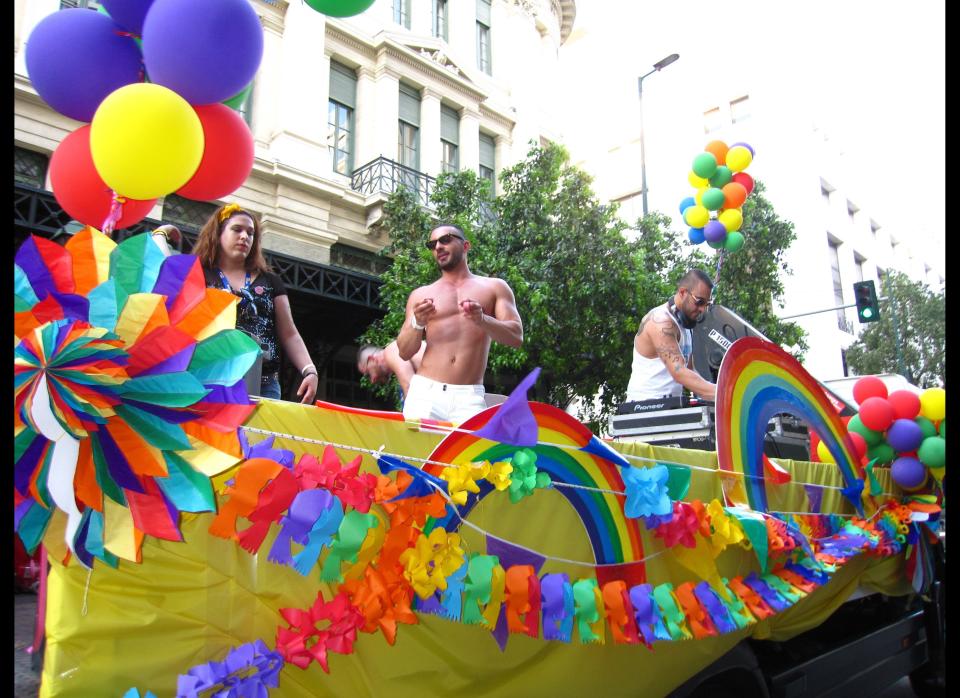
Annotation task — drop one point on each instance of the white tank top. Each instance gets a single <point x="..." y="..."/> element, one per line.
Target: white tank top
<point x="649" y="378"/>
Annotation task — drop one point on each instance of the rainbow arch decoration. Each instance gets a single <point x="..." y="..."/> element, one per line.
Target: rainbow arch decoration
<point x="569" y="453"/>
<point x="758" y="380"/>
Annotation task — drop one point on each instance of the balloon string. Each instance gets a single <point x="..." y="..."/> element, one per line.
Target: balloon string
<point x="716" y="276"/>
<point x="116" y="210"/>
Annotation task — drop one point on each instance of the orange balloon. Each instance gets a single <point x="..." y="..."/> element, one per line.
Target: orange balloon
<point x="734" y="194"/>
<point x="719" y="150"/>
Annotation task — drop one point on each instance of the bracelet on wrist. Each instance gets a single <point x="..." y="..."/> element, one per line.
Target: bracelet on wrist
<point x="303" y="371"/>
<point x="414" y="325"/>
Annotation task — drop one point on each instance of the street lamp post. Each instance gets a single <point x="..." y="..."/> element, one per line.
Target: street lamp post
<point x="658" y="66"/>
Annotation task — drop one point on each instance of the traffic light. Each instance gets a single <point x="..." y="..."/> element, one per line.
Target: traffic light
<point x="868" y="308"/>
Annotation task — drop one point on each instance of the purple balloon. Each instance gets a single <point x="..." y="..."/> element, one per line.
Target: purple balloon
<point x="129" y="14"/>
<point x="204" y="51"/>
<point x="714" y="231"/>
<point x="695" y="235"/>
<point x="75" y="58"/>
<point x="747" y="146"/>
<point x="904" y="435"/>
<point x="908" y="473"/>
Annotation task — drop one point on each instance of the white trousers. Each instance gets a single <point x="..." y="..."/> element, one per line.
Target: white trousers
<point x="430" y="399"/>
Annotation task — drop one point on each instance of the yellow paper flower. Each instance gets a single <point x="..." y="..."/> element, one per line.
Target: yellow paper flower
<point x="433" y="558"/>
<point x="463" y="479"/>
<point x="499" y="475"/>
<point x="726" y="529"/>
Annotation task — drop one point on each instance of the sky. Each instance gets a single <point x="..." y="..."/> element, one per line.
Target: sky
<point x="869" y="74"/>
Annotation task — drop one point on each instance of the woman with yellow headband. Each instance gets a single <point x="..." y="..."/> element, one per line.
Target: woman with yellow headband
<point x="231" y="255"/>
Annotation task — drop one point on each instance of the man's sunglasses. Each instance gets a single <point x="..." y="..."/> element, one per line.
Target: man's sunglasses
<point x="443" y="240"/>
<point x="701" y="302"/>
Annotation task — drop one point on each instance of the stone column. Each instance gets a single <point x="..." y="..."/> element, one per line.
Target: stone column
<point x="386" y="112"/>
<point x="469" y="140"/>
<point x="430" y="152"/>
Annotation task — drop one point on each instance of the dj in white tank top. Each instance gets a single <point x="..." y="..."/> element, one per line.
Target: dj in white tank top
<point x="649" y="378"/>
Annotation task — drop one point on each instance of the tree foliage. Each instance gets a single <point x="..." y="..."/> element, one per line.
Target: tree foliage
<point x="581" y="285"/>
<point x="910" y="336"/>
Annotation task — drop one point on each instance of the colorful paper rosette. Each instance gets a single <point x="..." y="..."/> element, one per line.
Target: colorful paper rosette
<point x="128" y="392"/>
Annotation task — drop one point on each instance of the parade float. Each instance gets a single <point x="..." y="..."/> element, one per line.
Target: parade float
<point x="201" y="542"/>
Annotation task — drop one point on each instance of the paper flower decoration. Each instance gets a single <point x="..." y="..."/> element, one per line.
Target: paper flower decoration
<point x="248" y="670"/>
<point x="646" y="491"/>
<point x="681" y="529"/>
<point x="462" y="478"/>
<point x="525" y="478"/>
<point x="128" y="390"/>
<point x="305" y="641"/>
<point x="499" y="475"/>
<point x="725" y="530"/>
<point x="433" y="558"/>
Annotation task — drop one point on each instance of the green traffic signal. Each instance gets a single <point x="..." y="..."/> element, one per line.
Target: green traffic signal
<point x="868" y="307"/>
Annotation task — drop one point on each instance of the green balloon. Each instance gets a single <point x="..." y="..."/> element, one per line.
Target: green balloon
<point x="704" y="165"/>
<point x="933" y="452"/>
<point x="722" y="176"/>
<point x="926" y="426"/>
<point x="712" y="199"/>
<point x="943" y="428"/>
<point x="340" y="8"/>
<point x="882" y="452"/>
<point x="719" y="244"/>
<point x="733" y="242"/>
<point x="238" y="99"/>
<point x="869" y="435"/>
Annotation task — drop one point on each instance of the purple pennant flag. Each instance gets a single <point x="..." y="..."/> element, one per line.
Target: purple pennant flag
<point x="510" y="555"/>
<point x="513" y="422"/>
<point x="815" y="495"/>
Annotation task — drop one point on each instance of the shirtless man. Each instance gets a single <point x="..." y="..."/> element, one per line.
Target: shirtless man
<point x="663" y="346"/>
<point x="461" y="313"/>
<point x="377" y="364"/>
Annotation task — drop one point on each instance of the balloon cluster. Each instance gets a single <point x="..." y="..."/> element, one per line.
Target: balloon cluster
<point x="902" y="429"/>
<point x="157" y="80"/>
<point x="714" y="213"/>
<point x="340" y="8"/>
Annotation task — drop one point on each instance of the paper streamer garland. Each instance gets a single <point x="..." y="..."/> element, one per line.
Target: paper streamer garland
<point x="128" y="391"/>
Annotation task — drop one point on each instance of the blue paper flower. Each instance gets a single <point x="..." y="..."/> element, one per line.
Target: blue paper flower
<point x="647" y="491"/>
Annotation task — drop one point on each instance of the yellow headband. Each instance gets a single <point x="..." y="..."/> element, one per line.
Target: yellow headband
<point x="228" y="211"/>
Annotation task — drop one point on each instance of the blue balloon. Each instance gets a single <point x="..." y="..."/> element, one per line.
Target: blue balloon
<point x="129" y="14"/>
<point x="714" y="231"/>
<point x="695" y="235"/>
<point x="687" y="203"/>
<point x="75" y="58"/>
<point x="204" y="51"/>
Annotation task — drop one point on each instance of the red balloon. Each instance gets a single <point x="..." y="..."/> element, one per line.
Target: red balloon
<point x="81" y="192"/>
<point x="859" y="444"/>
<point x="227" y="154"/>
<point x="868" y="387"/>
<point x="906" y="404"/>
<point x="876" y="413"/>
<point x="744" y="179"/>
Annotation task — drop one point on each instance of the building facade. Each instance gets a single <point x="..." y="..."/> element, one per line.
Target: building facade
<point x="342" y="112"/>
<point x="842" y="237"/>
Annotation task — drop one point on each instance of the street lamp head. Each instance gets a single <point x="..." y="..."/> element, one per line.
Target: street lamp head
<point x="664" y="62"/>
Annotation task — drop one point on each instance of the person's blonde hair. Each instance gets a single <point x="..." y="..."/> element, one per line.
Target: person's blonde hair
<point x="207" y="248"/>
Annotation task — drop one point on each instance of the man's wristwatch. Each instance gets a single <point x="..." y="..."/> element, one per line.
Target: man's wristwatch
<point x="414" y="325"/>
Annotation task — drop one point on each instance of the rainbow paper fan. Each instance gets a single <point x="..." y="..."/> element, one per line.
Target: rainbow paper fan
<point x="128" y="392"/>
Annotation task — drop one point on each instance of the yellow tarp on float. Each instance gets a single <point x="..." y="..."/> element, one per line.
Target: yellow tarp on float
<point x="189" y="603"/>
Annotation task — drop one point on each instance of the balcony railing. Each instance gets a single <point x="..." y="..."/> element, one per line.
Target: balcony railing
<point x="385" y="176"/>
<point x="36" y="211"/>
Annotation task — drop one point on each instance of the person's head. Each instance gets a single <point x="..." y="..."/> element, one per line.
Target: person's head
<point x="693" y="296"/>
<point x="231" y="233"/>
<point x="371" y="363"/>
<point x="449" y="245"/>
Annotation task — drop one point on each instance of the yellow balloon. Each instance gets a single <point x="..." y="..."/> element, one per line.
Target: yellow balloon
<point x="146" y="141"/>
<point x="697" y="182"/>
<point x="824" y="453"/>
<point x="698" y="197"/>
<point x="933" y="404"/>
<point x="739" y="158"/>
<point x="731" y="218"/>
<point x="696" y="216"/>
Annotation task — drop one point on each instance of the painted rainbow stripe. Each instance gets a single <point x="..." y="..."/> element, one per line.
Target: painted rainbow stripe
<point x="614" y="538"/>
<point x="758" y="380"/>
